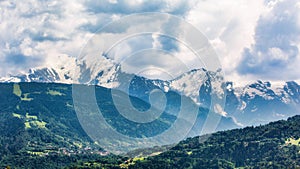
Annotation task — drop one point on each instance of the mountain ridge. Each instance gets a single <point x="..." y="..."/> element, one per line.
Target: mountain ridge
<point x="239" y="100"/>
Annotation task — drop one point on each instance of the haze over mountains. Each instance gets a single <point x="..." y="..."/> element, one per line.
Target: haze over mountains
<point x="253" y="104"/>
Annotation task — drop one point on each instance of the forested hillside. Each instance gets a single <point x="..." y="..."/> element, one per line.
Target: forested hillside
<point x="39" y="129"/>
<point x="276" y="145"/>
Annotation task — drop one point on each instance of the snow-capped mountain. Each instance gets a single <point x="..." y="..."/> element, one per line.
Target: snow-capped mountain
<point x="254" y="104"/>
<point x="260" y="102"/>
<point x="103" y="72"/>
<point x="35" y="75"/>
<point x="98" y="71"/>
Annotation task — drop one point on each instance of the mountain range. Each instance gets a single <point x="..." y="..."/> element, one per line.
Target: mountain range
<point x="40" y="128"/>
<point x="253" y="104"/>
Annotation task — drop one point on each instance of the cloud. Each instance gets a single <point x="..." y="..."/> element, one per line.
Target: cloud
<point x="176" y="7"/>
<point x="105" y="11"/>
<point x="230" y="26"/>
<point x="138" y="48"/>
<point x="98" y="21"/>
<point x="32" y="31"/>
<point x="275" y="52"/>
<point x="18" y="56"/>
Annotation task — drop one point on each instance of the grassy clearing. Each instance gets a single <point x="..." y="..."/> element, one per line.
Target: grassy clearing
<point x="25" y="98"/>
<point x="39" y="124"/>
<point x="292" y="141"/>
<point x="17" y="90"/>
<point x="138" y="159"/>
<point x="37" y="153"/>
<point x="55" y="93"/>
<point x="27" y="125"/>
<point x="17" y="115"/>
<point x="33" y="121"/>
<point x="131" y="161"/>
<point x="31" y="117"/>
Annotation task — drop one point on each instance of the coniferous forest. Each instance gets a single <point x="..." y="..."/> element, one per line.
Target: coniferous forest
<point x="36" y="134"/>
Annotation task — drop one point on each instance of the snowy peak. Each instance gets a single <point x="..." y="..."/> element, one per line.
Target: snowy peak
<point x="189" y="83"/>
<point x="292" y="89"/>
<point x="256" y="103"/>
<point x="259" y="88"/>
<point x="262" y="102"/>
<point x="287" y="93"/>
<point x="102" y="71"/>
<point x="35" y="75"/>
<point x="99" y="71"/>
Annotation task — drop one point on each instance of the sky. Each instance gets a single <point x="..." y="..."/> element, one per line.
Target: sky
<point x="253" y="39"/>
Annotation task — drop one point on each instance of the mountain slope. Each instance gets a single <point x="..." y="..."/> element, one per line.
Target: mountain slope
<point x="39" y="120"/>
<point x="35" y="133"/>
<point x="260" y="102"/>
<point x="254" y="104"/>
<point x="276" y="145"/>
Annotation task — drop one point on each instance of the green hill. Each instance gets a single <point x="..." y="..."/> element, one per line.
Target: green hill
<point x="39" y="129"/>
<point x="276" y="145"/>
